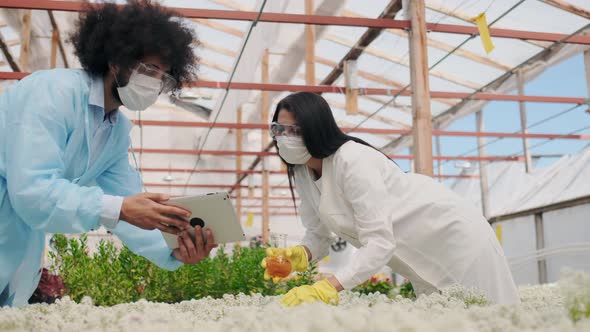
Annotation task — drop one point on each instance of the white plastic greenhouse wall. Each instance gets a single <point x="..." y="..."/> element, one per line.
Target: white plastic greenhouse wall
<point x="562" y="229"/>
<point x="566" y="231"/>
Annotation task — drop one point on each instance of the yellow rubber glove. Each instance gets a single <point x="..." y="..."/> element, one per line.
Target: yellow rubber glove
<point x="296" y="255"/>
<point x="320" y="291"/>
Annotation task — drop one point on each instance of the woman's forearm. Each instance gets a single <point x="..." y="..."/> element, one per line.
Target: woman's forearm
<point x="308" y="252"/>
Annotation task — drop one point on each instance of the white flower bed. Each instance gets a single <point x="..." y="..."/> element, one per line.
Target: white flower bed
<point x="543" y="308"/>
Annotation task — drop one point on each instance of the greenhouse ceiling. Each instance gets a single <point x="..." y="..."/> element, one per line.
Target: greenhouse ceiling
<point x="253" y="53"/>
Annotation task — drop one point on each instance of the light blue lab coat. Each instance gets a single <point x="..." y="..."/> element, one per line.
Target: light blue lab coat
<point x="47" y="184"/>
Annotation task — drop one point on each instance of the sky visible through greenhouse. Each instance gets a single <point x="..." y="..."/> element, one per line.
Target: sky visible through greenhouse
<point x="564" y="79"/>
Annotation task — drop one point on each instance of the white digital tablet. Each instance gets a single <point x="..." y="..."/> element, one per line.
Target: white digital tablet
<point x="212" y="211"/>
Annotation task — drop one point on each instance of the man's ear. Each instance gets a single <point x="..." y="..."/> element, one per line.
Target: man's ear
<point x="114" y="69"/>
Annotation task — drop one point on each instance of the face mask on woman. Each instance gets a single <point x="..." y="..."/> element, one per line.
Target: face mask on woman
<point x="293" y="150"/>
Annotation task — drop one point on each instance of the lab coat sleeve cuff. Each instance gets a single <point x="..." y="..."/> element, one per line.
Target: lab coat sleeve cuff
<point x="111" y="210"/>
<point x="317" y="250"/>
<point x="347" y="280"/>
<point x="172" y="264"/>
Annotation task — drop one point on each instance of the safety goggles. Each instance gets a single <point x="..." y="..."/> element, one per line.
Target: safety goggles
<point x="168" y="83"/>
<point x="277" y="129"/>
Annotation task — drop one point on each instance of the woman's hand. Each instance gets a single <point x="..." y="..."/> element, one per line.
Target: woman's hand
<point x="192" y="251"/>
<point x="297" y="255"/>
<point x="322" y="290"/>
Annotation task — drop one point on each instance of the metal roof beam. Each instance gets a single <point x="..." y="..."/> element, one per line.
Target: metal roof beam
<point x="366" y="39"/>
<point x="8" y="55"/>
<point x="568" y="7"/>
<point x="442" y="46"/>
<point x="437" y="7"/>
<point x="404" y="62"/>
<point x="324" y="20"/>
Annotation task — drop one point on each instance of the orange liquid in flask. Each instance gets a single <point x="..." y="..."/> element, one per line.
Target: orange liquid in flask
<point x="278" y="267"/>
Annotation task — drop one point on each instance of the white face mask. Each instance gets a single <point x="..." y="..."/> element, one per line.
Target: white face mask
<point x="141" y="92"/>
<point x="293" y="150"/>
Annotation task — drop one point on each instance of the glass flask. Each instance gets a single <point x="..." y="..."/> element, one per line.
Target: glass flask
<point x="278" y="266"/>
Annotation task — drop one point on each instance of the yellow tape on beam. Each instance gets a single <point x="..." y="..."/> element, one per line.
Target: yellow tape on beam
<point x="484" y="32"/>
<point x="498" y="229"/>
<point x="250" y="220"/>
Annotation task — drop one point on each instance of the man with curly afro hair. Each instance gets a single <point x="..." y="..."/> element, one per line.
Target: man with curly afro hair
<point x="64" y="165"/>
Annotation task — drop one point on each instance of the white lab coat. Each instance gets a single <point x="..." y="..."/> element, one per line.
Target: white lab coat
<point x="409" y="222"/>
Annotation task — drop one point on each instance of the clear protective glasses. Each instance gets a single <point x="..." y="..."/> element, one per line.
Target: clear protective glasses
<point x="277" y="129"/>
<point x="168" y="83"/>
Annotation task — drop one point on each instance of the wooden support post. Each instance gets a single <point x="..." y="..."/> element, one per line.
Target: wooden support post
<point x="528" y="164"/>
<point x="239" y="136"/>
<point x="540" y="242"/>
<point x="62" y="50"/>
<point x="439" y="166"/>
<point x="310" y="58"/>
<point x="309" y="46"/>
<point x="422" y="118"/>
<point x="54" y="42"/>
<point x="265" y="105"/>
<point x="352" y="92"/>
<point x="587" y="65"/>
<point x="413" y="161"/>
<point x="483" y="169"/>
<point x="25" y="46"/>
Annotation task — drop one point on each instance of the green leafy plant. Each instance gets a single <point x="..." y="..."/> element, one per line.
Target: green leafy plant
<point x="112" y="276"/>
<point x="407" y="290"/>
<point x="579" y="310"/>
<point x="471" y="297"/>
<point x="298" y="279"/>
<point x="575" y="288"/>
<point x="377" y="284"/>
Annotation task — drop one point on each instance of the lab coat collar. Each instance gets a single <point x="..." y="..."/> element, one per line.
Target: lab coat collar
<point x="96" y="98"/>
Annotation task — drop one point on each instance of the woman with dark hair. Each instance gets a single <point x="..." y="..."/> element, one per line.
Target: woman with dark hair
<point x="64" y="165"/>
<point x="407" y="221"/>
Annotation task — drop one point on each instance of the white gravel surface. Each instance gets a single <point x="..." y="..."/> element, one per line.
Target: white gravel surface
<point x="543" y="308"/>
